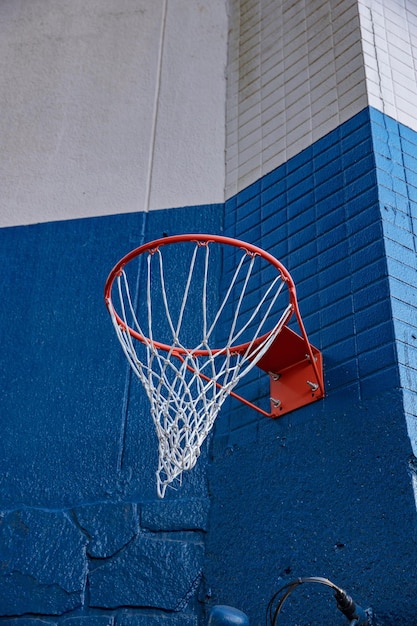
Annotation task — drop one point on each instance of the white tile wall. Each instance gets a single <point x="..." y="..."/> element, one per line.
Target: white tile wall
<point x="302" y="68"/>
<point x="389" y="32"/>
<point x="296" y="72"/>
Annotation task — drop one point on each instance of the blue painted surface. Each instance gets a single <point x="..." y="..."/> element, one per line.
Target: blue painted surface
<point x="68" y="436"/>
<point x="396" y="151"/>
<point x="79" y="451"/>
<point x="317" y="492"/>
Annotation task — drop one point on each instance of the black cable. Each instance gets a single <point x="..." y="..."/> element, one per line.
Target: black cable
<point x="354" y="613"/>
<point x="346" y="605"/>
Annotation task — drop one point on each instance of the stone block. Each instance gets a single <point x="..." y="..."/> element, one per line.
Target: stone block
<point x="150" y="572"/>
<point x="109" y="526"/>
<point x="88" y="620"/>
<point x="156" y="620"/>
<point x="175" y="515"/>
<point x="42" y="563"/>
<point x="26" y="621"/>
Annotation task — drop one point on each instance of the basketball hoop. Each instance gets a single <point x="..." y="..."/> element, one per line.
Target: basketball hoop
<point x="170" y="316"/>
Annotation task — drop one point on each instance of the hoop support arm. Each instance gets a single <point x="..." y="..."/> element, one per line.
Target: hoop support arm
<point x="295" y="368"/>
<point x="231" y="393"/>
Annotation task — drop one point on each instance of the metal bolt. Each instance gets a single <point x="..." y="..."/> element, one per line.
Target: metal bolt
<point x="274" y="375"/>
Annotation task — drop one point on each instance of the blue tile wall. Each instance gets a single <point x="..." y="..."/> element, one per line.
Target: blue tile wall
<point x="320" y="215"/>
<point x="341" y="216"/>
<point x="395" y="149"/>
<point x="317" y="492"/>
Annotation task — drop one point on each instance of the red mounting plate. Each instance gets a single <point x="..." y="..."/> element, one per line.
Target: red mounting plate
<point x="294" y="380"/>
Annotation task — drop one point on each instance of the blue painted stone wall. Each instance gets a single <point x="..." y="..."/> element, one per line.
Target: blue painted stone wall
<point x="326" y="490"/>
<point x="84" y="539"/>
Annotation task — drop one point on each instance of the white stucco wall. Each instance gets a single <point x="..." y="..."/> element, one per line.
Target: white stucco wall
<point x="113" y="106"/>
<point x="110" y="106"/>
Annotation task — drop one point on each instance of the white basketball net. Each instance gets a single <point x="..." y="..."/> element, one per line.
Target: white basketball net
<point x="187" y="389"/>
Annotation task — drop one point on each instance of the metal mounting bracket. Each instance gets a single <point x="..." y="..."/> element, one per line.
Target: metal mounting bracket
<point x="295" y="380"/>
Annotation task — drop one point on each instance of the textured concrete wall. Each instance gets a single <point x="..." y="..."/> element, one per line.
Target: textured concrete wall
<point x="82" y="532"/>
<point x="110" y="106"/>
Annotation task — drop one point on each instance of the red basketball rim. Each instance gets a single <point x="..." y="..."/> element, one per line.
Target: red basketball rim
<point x="201" y="239"/>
